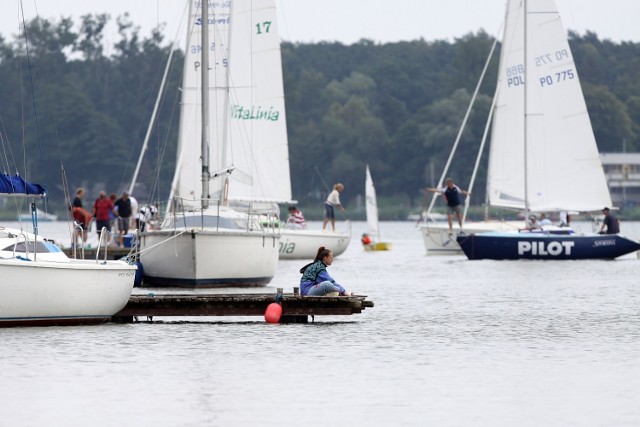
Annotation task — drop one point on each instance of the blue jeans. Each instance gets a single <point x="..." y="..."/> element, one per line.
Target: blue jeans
<point x="322" y="289"/>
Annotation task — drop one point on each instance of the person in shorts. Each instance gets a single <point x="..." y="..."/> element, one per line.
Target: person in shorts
<point x="332" y="201"/>
<point x="101" y="209"/>
<point x="123" y="206"/>
<point x="451" y="194"/>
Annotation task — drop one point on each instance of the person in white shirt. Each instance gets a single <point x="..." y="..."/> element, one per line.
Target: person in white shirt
<point x="332" y="201"/>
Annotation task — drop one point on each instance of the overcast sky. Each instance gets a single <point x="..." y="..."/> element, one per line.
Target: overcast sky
<point x="348" y="21"/>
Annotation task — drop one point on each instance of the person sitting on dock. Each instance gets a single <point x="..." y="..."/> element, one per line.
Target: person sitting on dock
<point x="315" y="279"/>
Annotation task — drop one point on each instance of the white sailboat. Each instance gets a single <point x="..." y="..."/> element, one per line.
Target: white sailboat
<point x="41" y="286"/>
<point x="543" y="155"/>
<point x="42" y="216"/>
<point x="373" y="225"/>
<point x="203" y="241"/>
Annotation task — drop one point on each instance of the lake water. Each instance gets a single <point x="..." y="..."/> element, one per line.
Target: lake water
<point x="450" y="342"/>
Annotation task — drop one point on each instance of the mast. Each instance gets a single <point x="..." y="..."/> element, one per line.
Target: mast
<point x="526" y="110"/>
<point x="204" y="67"/>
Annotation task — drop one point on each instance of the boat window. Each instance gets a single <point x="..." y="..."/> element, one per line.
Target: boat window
<point x="40" y="246"/>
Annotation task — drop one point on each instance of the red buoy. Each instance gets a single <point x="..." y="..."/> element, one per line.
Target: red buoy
<point x="273" y="313"/>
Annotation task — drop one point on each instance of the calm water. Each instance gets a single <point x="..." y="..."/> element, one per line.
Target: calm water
<point x="449" y="342"/>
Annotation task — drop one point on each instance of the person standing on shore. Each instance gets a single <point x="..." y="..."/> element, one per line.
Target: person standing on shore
<point x="81" y="216"/>
<point x="123" y="206"/>
<point x="101" y="209"/>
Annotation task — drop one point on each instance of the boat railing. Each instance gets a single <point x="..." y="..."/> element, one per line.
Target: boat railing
<point x="25" y="239"/>
<point x="78" y="230"/>
<point x="103" y="235"/>
<point x="185" y="213"/>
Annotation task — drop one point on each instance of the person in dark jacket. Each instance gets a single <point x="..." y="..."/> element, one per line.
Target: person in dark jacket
<point x="610" y="222"/>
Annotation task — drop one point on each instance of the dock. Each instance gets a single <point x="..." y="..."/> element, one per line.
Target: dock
<point x="295" y="308"/>
<point x="112" y="253"/>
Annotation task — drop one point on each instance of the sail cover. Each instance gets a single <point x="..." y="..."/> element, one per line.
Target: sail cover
<point x="16" y="186"/>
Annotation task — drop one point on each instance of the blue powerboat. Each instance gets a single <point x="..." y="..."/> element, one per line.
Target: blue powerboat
<point x="560" y="244"/>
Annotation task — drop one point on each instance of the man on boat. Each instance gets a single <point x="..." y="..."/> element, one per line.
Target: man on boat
<point x="611" y="222"/>
<point x="544" y="220"/>
<point x="332" y="201"/>
<point x="452" y="195"/>
<point x="533" y="223"/>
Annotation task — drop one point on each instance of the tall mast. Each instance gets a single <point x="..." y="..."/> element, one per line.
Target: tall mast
<point x="204" y="67"/>
<point x="526" y="112"/>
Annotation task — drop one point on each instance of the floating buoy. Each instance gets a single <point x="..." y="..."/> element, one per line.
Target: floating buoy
<point x="273" y="313"/>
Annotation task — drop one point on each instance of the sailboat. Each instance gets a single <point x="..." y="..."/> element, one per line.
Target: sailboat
<point x="373" y="226"/>
<point x="42" y="216"/>
<point x="216" y="239"/>
<point x="42" y="286"/>
<point x="543" y="154"/>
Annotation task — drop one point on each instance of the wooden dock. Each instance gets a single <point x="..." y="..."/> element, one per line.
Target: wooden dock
<point x="295" y="308"/>
<point x="112" y="253"/>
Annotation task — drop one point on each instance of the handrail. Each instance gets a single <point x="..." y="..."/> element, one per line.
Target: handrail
<point x="78" y="227"/>
<point x="103" y="233"/>
<point x="26" y="244"/>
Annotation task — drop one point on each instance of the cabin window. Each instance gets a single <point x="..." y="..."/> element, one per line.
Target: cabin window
<point x="23" y="247"/>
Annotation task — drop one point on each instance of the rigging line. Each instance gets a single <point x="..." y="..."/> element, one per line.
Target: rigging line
<point x="67" y="204"/>
<point x="154" y="192"/>
<point x="462" y="127"/>
<point x="4" y="137"/>
<point x="65" y="183"/>
<point x="158" y="103"/>
<point x="326" y="186"/>
<point x="33" y="87"/>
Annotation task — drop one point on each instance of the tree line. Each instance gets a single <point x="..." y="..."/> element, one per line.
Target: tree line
<point x="83" y="108"/>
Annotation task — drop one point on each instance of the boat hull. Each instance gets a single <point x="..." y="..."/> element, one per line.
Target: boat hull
<point x="438" y="240"/>
<point x="205" y="258"/>
<point x="304" y="244"/>
<point x="36" y="293"/>
<point x="379" y="246"/>
<point x="545" y="246"/>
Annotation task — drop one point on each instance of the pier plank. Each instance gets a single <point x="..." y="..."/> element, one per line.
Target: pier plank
<point x="294" y="307"/>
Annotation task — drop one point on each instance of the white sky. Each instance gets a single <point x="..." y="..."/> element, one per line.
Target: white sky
<point x="348" y="21"/>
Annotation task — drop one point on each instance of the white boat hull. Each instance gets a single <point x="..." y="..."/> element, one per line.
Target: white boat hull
<point x="438" y="239"/>
<point x="56" y="293"/>
<point x="304" y="244"/>
<point x="205" y="258"/>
